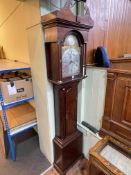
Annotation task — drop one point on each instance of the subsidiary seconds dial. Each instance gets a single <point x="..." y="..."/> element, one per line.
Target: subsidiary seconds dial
<point x="70" y="62"/>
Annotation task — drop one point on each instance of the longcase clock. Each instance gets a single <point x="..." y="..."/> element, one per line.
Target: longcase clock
<point x="66" y="38"/>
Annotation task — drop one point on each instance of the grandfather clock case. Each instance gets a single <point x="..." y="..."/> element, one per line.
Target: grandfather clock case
<point x="66" y="37"/>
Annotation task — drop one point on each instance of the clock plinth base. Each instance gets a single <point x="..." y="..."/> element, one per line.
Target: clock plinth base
<point x="67" y="151"/>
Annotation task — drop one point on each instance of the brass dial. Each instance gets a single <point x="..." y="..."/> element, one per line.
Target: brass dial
<point x="71" y="53"/>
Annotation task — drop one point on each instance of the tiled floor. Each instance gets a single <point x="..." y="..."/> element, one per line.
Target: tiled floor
<point x="80" y="168"/>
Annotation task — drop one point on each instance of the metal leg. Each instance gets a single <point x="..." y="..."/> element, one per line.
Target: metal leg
<point x="11" y="147"/>
<point x="7" y="128"/>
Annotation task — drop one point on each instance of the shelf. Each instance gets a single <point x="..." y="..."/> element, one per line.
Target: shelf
<point x="8" y="105"/>
<point x="10" y="66"/>
<point x="23" y="127"/>
<point x="17" y="116"/>
<point x="20" y="117"/>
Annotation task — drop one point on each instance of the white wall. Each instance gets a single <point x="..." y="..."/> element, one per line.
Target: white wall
<point x="91" y="100"/>
<point x="92" y="96"/>
<point x="43" y="90"/>
<point x="13" y="36"/>
<point x="89" y="139"/>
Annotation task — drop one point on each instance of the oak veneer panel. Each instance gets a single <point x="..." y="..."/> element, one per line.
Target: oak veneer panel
<point x="121" y="118"/>
<point x="121" y="63"/>
<point x="126" y="115"/>
<point x="128" y="29"/>
<point x="117" y="114"/>
<point x="112" y="27"/>
<point x="119" y="28"/>
<point x="110" y="89"/>
<point x="118" y="99"/>
<point x="99" y="12"/>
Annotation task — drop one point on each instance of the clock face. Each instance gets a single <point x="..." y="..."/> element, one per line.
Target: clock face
<point x="71" y="57"/>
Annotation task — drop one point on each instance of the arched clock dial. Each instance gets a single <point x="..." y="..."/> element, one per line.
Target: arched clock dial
<point x="71" y="53"/>
<point x="70" y="62"/>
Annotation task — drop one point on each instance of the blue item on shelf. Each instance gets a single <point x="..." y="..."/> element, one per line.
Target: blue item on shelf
<point x="101" y="57"/>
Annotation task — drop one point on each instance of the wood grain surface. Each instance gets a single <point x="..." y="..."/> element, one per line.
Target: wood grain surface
<point x="117" y="112"/>
<point x="19" y="115"/>
<point x="112" y="27"/>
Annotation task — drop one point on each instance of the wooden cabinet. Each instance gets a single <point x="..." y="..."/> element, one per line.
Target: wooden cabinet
<point x="121" y="114"/>
<point x="117" y="114"/>
<point x="108" y="156"/>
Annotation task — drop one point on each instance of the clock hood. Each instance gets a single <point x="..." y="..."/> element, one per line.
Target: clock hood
<point x="65" y="15"/>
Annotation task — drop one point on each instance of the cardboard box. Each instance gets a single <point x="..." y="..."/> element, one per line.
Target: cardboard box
<point x="15" y="89"/>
